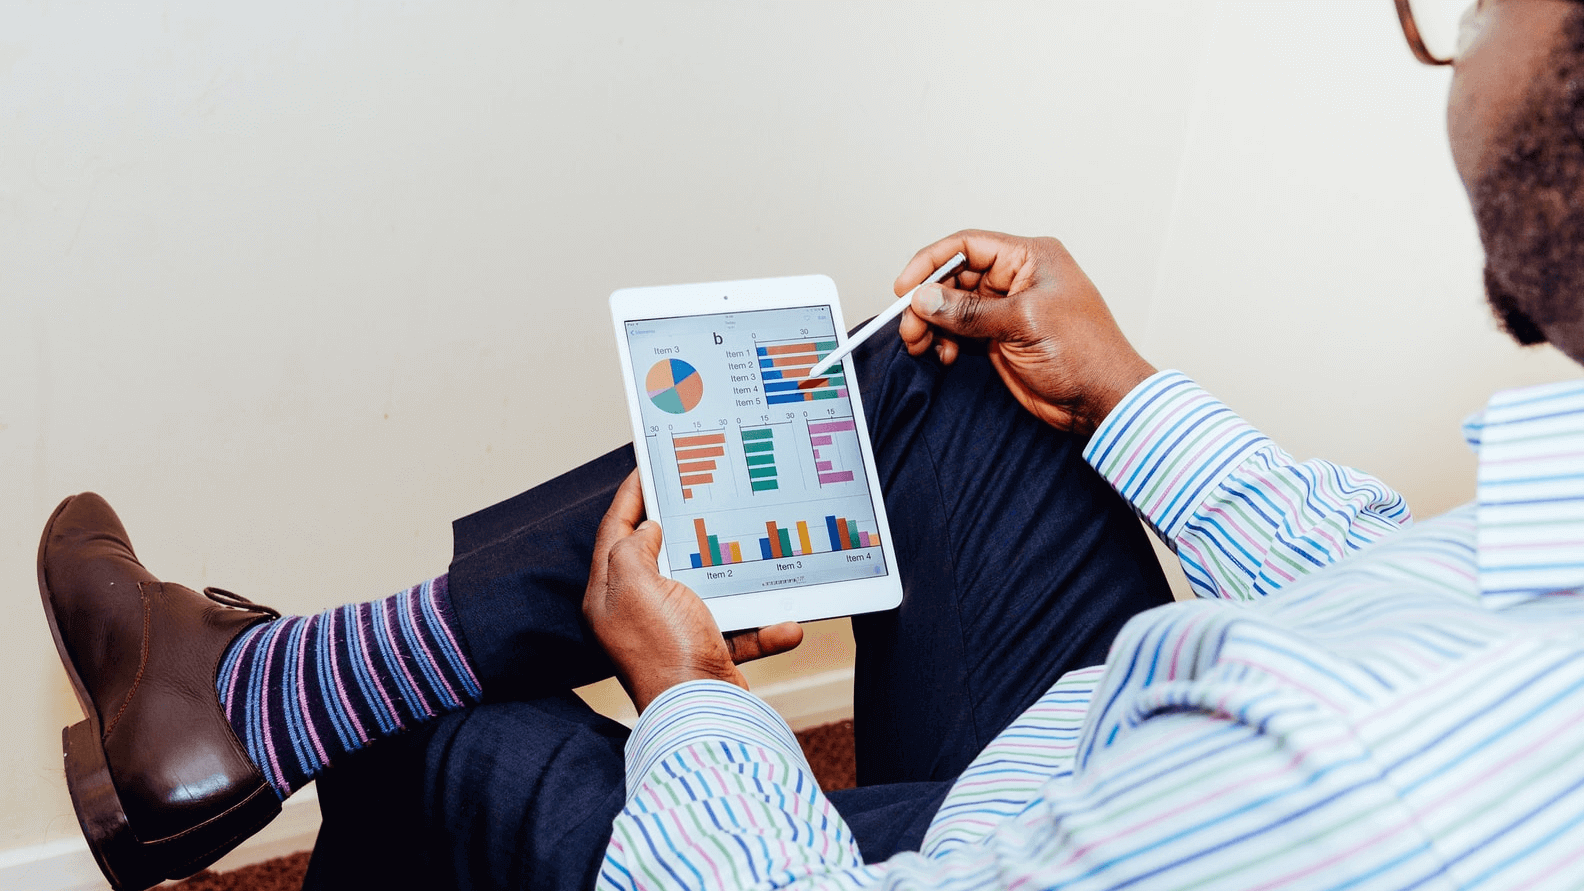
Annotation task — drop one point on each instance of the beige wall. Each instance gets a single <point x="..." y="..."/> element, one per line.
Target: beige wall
<point x="293" y="284"/>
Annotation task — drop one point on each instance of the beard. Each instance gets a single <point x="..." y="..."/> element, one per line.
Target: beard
<point x="1529" y="204"/>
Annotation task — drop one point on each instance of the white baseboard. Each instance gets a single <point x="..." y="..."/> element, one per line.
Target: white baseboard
<point x="66" y="865"/>
<point x="814" y="700"/>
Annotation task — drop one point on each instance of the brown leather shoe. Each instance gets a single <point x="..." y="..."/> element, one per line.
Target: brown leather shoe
<point x="161" y="785"/>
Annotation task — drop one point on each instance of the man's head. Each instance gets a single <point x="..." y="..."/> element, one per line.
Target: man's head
<point x="1516" y="121"/>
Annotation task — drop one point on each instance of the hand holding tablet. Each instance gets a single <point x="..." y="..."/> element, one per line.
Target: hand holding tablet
<point x="761" y="476"/>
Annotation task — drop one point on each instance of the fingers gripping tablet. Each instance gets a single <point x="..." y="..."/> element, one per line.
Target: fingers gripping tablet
<point x="761" y="475"/>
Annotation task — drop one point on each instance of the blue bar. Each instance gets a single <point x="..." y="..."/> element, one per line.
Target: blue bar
<point x="777" y="399"/>
<point x="767" y="363"/>
<point x="763" y="351"/>
<point x="830" y="526"/>
<point x="780" y="386"/>
<point x="697" y="562"/>
<point x="764" y="543"/>
<point x="770" y="375"/>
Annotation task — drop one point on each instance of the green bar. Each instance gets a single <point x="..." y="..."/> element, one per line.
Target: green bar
<point x="786" y="541"/>
<point x="715" y="557"/>
<point x="825" y="346"/>
<point x="822" y="394"/>
<point x="764" y="485"/>
<point x="765" y="458"/>
<point x="752" y="447"/>
<point x="761" y="433"/>
<point x="835" y="380"/>
<point x="759" y="473"/>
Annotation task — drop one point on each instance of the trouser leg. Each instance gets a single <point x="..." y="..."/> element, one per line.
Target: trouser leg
<point x="503" y="795"/>
<point x="521" y="795"/>
<point x="1017" y="561"/>
<point x="1019" y="564"/>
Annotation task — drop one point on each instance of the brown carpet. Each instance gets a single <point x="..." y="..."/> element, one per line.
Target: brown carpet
<point x="829" y="748"/>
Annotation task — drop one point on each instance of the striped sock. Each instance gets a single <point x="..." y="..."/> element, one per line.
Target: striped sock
<point x="302" y="690"/>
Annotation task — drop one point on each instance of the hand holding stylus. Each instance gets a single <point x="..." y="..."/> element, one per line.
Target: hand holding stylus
<point x="896" y="308"/>
<point x="1047" y="330"/>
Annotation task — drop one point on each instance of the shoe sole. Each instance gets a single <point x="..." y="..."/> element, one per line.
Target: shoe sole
<point x="129" y="863"/>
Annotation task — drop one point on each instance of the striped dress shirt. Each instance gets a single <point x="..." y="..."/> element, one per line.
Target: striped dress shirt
<point x="1351" y="703"/>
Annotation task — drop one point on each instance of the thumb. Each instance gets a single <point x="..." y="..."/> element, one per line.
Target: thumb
<point x="965" y="313"/>
<point x="648" y="539"/>
<point x="639" y="550"/>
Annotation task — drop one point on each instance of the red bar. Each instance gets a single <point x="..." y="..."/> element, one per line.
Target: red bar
<point x="700" y="439"/>
<point x="775" y="538"/>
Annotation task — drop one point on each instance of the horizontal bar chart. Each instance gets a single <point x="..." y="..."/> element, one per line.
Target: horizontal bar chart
<point x="822" y="440"/>
<point x="759" y="454"/>
<point x="784" y="368"/>
<point x="697" y="457"/>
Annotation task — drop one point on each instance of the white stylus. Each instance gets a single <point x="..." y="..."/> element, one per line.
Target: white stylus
<point x="879" y="321"/>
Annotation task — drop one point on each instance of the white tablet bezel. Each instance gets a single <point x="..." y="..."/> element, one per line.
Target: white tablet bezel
<point x="760" y="608"/>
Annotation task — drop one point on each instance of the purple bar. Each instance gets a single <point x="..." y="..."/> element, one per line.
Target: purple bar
<point x="831" y="426"/>
<point x="823" y="465"/>
<point x="842" y="393"/>
<point x="819" y="440"/>
<point x="864" y="537"/>
<point x="845" y="476"/>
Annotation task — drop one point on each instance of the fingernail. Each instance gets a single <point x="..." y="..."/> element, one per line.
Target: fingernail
<point x="929" y="299"/>
<point x="646" y="524"/>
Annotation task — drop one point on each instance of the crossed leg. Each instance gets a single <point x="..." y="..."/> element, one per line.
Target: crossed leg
<point x="1018" y="564"/>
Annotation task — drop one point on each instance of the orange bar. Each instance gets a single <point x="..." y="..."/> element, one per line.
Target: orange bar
<point x="803" y="537"/>
<point x="700" y="439"/>
<point x="696" y="467"/>
<point x="687" y="493"/>
<point x="698" y="479"/>
<point x="800" y="360"/>
<point x="791" y="348"/>
<point x="775" y="539"/>
<point x="736" y="553"/>
<point x="695" y="454"/>
<point x="703" y="542"/>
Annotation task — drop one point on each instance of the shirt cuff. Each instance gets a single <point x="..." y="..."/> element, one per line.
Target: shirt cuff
<point x="1167" y="445"/>
<point x="704" y="712"/>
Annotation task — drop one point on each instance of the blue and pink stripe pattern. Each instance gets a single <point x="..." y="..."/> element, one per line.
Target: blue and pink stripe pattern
<point x="1353" y="703"/>
<point x="303" y="689"/>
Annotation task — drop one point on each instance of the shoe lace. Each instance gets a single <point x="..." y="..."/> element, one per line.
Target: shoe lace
<point x="237" y="601"/>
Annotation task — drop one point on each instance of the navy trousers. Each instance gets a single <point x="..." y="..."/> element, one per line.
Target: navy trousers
<point x="1018" y="564"/>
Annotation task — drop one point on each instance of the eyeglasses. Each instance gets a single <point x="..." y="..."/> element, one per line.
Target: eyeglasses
<point x="1437" y="30"/>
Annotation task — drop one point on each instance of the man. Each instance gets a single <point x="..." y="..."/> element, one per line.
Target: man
<point x="1404" y="711"/>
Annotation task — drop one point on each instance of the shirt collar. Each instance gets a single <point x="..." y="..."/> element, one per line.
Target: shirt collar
<point x="1531" y="491"/>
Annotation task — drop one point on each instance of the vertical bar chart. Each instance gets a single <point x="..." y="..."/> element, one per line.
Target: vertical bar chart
<point x="822" y="438"/>
<point x="844" y="534"/>
<point x="759" y="452"/>
<point x="711" y="550"/>
<point x="697" y="458"/>
<point x="784" y="370"/>
<point x="780" y="542"/>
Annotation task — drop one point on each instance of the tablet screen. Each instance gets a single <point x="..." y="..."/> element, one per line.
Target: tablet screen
<point x="756" y="466"/>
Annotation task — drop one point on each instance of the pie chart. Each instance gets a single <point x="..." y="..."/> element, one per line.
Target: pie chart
<point x="674" y="386"/>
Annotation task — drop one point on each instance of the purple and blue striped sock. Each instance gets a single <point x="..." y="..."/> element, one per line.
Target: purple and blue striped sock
<point x="303" y="690"/>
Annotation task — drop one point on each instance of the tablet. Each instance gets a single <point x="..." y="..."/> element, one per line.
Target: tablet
<point x="762" y="478"/>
